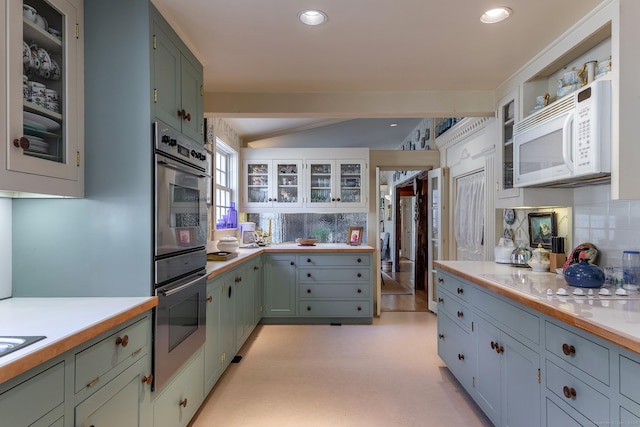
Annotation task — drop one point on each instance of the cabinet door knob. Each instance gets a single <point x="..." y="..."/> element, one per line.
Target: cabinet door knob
<point x="308" y="291"/>
<point x="460" y="356"/>
<point x="292" y="263"/>
<point x="460" y="314"/>
<point x="188" y="117"/>
<point x="183" y="402"/>
<point x="460" y="291"/>
<point x="441" y="301"/>
<point x="21" y="142"/>
<point x="359" y="291"/>
<point x="308" y="274"/>
<point x="147" y="379"/>
<point x="255" y="267"/>
<point x="359" y="259"/>
<point x="499" y="349"/>
<point x="493" y="345"/>
<point x="359" y="274"/>
<point x="568" y="350"/>
<point x="308" y="308"/>
<point x="209" y="298"/>
<point x="181" y="113"/>
<point x="441" y="336"/>
<point x="124" y="341"/>
<point x="359" y="308"/>
<point x="569" y="392"/>
<point x="440" y="280"/>
<point x="308" y="259"/>
<point x="333" y="200"/>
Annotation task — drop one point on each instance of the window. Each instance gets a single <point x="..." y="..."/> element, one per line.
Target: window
<point x="225" y="180"/>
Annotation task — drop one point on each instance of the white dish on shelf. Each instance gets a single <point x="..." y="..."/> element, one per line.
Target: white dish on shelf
<point x="41" y="120"/>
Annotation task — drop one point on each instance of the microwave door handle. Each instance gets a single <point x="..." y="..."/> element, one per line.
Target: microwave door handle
<point x="567" y="141"/>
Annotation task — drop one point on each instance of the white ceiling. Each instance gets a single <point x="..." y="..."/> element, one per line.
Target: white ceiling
<point x="367" y="46"/>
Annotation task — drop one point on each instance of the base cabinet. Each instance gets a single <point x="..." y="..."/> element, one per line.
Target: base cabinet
<point x="280" y="285"/>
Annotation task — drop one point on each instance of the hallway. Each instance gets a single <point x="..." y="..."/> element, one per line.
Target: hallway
<point x="384" y="374"/>
<point x="409" y="300"/>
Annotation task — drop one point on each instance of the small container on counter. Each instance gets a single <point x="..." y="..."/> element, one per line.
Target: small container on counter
<point x="631" y="269"/>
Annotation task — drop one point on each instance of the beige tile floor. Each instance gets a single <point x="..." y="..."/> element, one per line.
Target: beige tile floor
<point x="385" y="374"/>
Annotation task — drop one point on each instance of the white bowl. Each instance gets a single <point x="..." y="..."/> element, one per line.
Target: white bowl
<point x="228" y="244"/>
<point x="29" y="12"/>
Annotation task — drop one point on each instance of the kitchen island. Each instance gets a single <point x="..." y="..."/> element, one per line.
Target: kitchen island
<point x="533" y="351"/>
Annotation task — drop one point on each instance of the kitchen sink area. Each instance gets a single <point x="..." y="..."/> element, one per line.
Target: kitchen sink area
<point x="9" y="344"/>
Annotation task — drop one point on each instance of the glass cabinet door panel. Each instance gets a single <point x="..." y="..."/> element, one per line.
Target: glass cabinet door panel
<point x="48" y="139"/>
<point x="350" y="182"/>
<point x="288" y="182"/>
<point x="320" y="182"/>
<point x="258" y="182"/>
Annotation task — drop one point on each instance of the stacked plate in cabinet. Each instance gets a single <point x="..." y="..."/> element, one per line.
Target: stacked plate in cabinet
<point x="37" y="144"/>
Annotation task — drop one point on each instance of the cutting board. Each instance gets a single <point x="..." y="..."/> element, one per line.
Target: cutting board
<point x="221" y="256"/>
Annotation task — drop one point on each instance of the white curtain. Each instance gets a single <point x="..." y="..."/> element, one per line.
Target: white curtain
<point x="469" y="216"/>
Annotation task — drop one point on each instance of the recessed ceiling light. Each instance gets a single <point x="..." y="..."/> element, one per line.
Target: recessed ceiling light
<point x="496" y="15"/>
<point x="312" y="17"/>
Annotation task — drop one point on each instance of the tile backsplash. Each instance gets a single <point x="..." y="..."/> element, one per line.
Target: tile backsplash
<point x="612" y="226"/>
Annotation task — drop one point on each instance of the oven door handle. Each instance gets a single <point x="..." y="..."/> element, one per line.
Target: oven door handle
<point x="180" y="168"/>
<point x="169" y="292"/>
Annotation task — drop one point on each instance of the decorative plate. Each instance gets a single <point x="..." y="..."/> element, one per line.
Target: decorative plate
<point x="509" y="216"/>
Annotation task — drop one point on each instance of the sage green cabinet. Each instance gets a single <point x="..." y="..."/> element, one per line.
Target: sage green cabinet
<point x="213" y="367"/>
<point x="178" y="98"/>
<point x="125" y="401"/>
<point x="279" y="285"/>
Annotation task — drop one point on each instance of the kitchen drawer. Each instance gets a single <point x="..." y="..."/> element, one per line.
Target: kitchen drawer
<point x="454" y="285"/>
<point x="321" y="275"/>
<point x="313" y="308"/>
<point x="33" y="398"/>
<point x="457" y="309"/>
<point x="339" y="291"/>
<point x="556" y="417"/>
<point x="120" y="349"/>
<point x="513" y="318"/>
<point x="339" y="260"/>
<point x="589" y="357"/>
<point x="587" y="400"/>
<point x="630" y="379"/>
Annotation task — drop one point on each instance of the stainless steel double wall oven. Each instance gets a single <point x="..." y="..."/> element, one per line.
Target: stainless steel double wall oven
<point x="180" y="257"/>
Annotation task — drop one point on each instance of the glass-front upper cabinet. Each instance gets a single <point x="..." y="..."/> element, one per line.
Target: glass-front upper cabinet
<point x="46" y="105"/>
<point x="507" y="113"/>
<point x="336" y="183"/>
<point x="272" y="183"/>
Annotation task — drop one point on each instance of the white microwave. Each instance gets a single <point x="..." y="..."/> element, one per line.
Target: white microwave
<point x="567" y="143"/>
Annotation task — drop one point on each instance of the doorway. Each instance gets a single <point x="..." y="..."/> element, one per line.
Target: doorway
<point x="407" y="227"/>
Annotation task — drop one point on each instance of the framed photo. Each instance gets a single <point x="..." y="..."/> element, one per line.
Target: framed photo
<point x="542" y="226"/>
<point x="354" y="237"/>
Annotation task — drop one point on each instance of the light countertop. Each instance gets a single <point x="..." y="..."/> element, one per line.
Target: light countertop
<point x="613" y="318"/>
<point x="66" y="323"/>
<point x="217" y="267"/>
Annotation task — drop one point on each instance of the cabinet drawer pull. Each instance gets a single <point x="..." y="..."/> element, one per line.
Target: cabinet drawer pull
<point x="308" y="259"/>
<point x="568" y="350"/>
<point x="209" y="298"/>
<point x="338" y="199"/>
<point x="460" y="356"/>
<point x="359" y="274"/>
<point x="255" y="267"/>
<point x="359" y="308"/>
<point x="359" y="291"/>
<point x="460" y="291"/>
<point x="147" y="379"/>
<point x="183" y="402"/>
<point x="359" y="259"/>
<point x="124" y="341"/>
<point x="94" y="382"/>
<point x="308" y="274"/>
<point x="441" y="336"/>
<point x="308" y="308"/>
<point x="308" y="291"/>
<point x="292" y="263"/>
<point x="569" y="393"/>
<point x="460" y="314"/>
<point x="440" y="280"/>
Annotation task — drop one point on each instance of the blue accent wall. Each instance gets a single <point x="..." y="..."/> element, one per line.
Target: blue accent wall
<point x="101" y="245"/>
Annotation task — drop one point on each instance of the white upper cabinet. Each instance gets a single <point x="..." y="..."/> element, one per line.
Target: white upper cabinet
<point x="44" y="78"/>
<point x="298" y="182"/>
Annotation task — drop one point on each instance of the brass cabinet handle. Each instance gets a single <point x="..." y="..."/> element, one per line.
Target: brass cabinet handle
<point x="147" y="379"/>
<point x="568" y="350"/>
<point x="124" y="341"/>
<point x="569" y="393"/>
<point x="209" y="298"/>
<point x="22" y="142"/>
<point x="183" y="402"/>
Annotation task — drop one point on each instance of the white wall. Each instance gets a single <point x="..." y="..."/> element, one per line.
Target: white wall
<point x="5" y="247"/>
<point x="612" y="226"/>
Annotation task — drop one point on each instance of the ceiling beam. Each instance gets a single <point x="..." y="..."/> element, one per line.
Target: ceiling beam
<point x="352" y="104"/>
